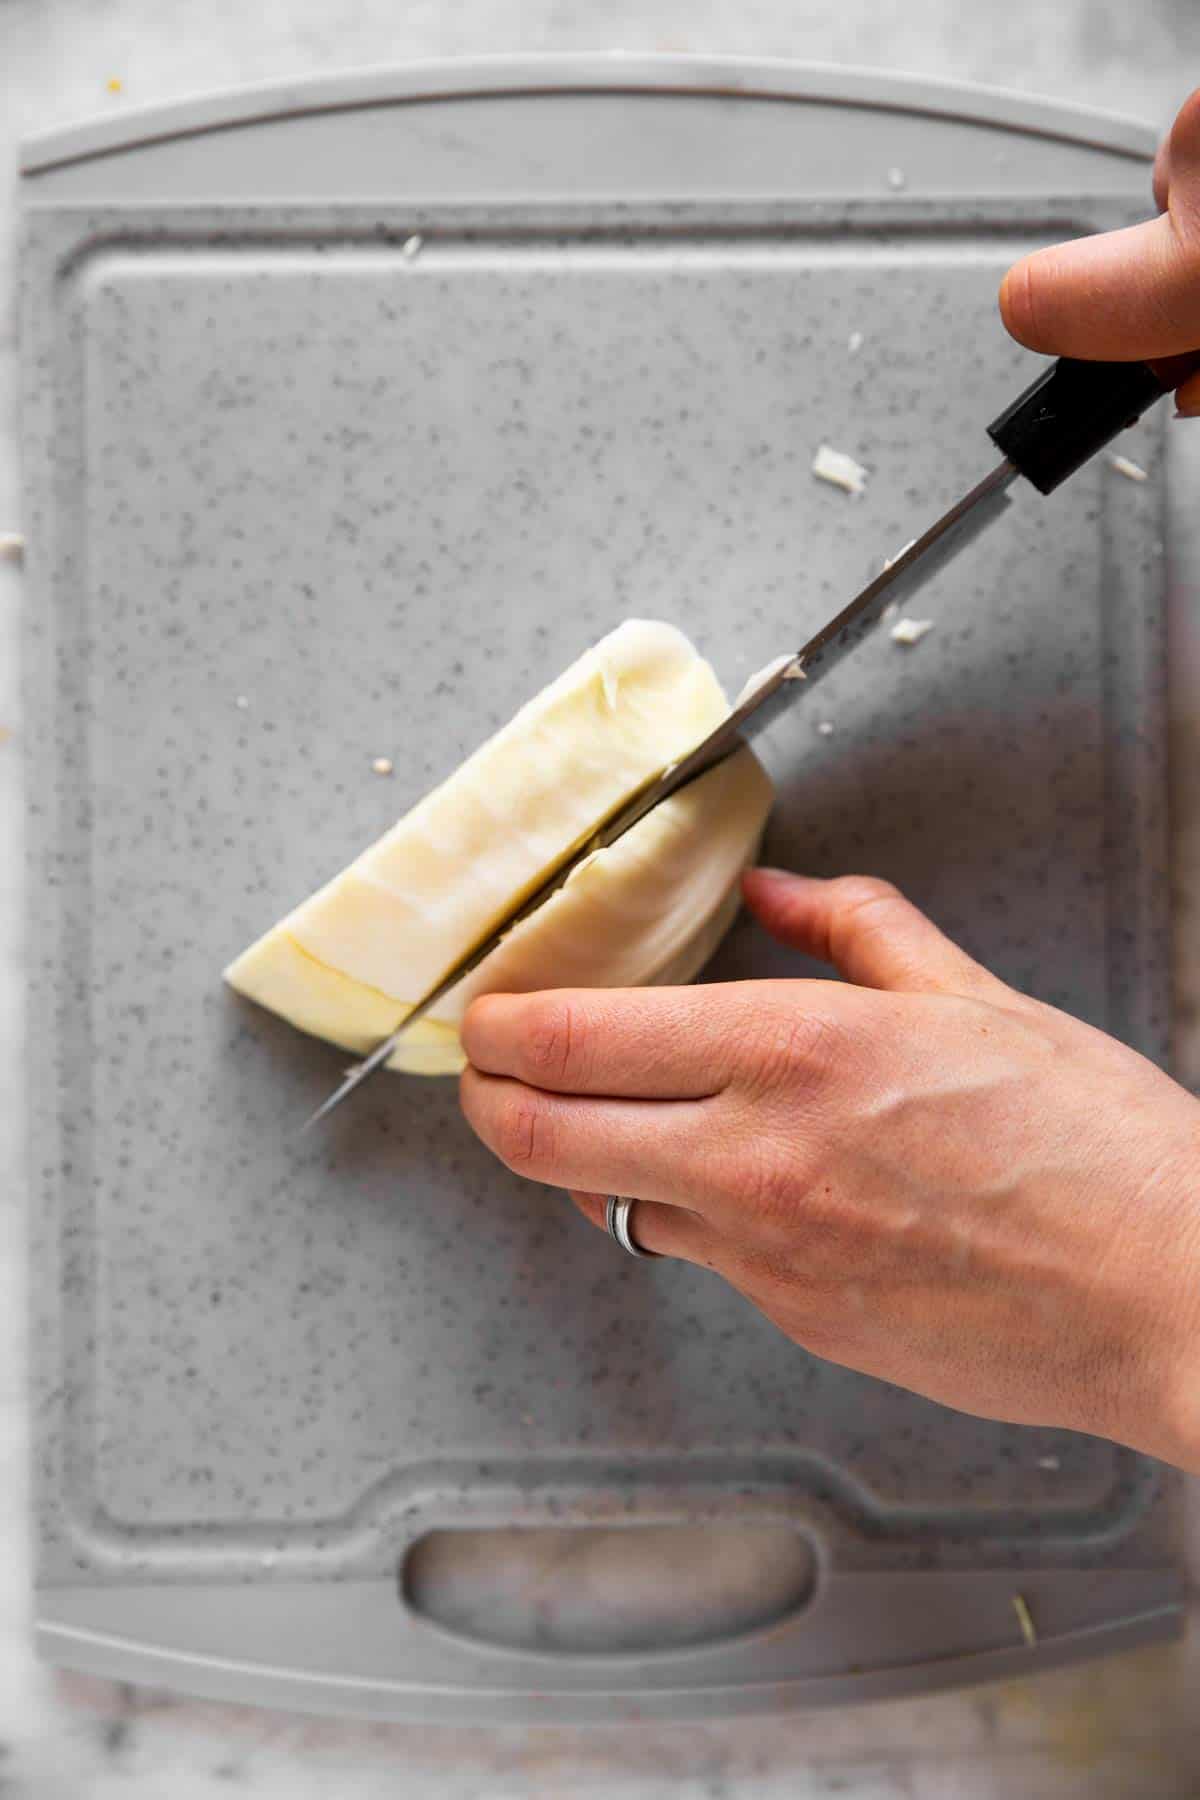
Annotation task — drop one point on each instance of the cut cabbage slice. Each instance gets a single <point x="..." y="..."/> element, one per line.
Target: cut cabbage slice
<point x="349" y="963"/>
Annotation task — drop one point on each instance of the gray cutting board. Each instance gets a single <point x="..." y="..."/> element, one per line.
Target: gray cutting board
<point x="299" y="499"/>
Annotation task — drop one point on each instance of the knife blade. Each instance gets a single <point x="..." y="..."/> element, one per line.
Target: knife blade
<point x="1061" y="419"/>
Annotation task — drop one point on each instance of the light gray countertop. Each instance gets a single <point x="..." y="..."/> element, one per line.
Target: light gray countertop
<point x="1127" y="1726"/>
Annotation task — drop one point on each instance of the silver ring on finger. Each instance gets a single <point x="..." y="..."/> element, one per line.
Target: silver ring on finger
<point x="617" y="1211"/>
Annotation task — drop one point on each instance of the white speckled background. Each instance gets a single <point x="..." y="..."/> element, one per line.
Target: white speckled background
<point x="1122" y="1728"/>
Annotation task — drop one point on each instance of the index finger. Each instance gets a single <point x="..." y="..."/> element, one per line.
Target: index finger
<point x="623" y="1043"/>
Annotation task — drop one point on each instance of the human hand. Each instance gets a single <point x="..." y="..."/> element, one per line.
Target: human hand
<point x="919" y="1172"/>
<point x="1129" y="295"/>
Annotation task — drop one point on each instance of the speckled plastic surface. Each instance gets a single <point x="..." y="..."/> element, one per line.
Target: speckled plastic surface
<point x="298" y="500"/>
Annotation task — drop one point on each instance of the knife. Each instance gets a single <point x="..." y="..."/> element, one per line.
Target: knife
<point x="1062" y="418"/>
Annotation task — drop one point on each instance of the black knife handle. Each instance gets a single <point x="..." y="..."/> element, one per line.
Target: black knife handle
<point x="1072" y="410"/>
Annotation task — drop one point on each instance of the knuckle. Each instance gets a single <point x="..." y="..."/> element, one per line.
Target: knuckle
<point x="797" y="1049"/>
<point x="808" y="1041"/>
<point x="779" y="1195"/>
<point x="523" y="1136"/>
<point x="813" y="1300"/>
<point x="814" y="1313"/>
<point x="769" y="1189"/>
<point x="855" y="893"/>
<point x="555" y="1040"/>
<point x="864" y="907"/>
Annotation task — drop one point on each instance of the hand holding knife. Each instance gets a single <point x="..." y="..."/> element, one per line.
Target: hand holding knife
<point x="1072" y="410"/>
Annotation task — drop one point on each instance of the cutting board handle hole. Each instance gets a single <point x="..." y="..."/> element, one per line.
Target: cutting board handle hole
<point x="595" y="1589"/>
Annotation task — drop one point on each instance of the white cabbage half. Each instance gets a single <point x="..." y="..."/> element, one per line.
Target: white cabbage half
<point x="350" y="962"/>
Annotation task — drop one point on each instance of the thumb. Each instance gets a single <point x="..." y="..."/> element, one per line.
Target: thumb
<point x="1121" y="295"/>
<point x="870" y="933"/>
<point x="1115" y="297"/>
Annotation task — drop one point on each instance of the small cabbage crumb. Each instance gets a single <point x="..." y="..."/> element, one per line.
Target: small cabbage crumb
<point x="826" y="727"/>
<point x="855" y="342"/>
<point x="1132" y="471"/>
<point x="839" y="469"/>
<point x="890" y="561"/>
<point x="1025" y="1619"/>
<point x="910" y="631"/>
<point x="413" y="246"/>
<point x="792" y="671"/>
<point x="382" y="765"/>
<point x="897" y="179"/>
<point x="241" y="702"/>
